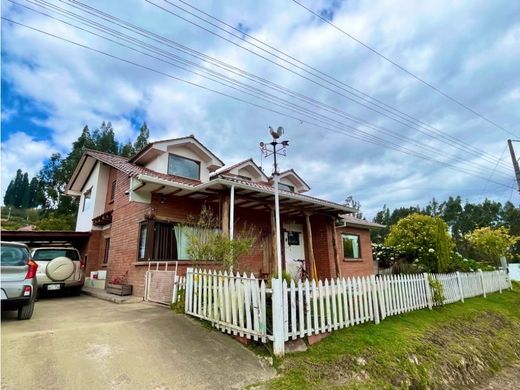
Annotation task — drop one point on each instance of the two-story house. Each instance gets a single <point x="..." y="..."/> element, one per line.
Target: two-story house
<point x="136" y="210"/>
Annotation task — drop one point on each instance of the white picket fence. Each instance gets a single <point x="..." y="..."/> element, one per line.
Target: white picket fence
<point x="236" y="304"/>
<point x="233" y="303"/>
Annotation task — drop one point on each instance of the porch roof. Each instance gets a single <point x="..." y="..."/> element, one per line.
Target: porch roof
<point x="250" y="194"/>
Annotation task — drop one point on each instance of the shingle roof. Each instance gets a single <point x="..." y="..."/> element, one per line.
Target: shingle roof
<point x="122" y="164"/>
<point x="349" y="219"/>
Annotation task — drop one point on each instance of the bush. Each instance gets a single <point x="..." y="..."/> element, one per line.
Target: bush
<point x="423" y="240"/>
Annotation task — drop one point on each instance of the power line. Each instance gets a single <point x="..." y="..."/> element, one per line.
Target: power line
<point x="494" y="169"/>
<point x="416" y="124"/>
<point x="210" y="89"/>
<point x="439" y="91"/>
<point x="221" y="78"/>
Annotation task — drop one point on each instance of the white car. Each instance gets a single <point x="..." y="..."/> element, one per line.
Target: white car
<point x="59" y="268"/>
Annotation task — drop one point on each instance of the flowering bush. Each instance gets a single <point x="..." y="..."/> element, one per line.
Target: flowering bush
<point x="423" y="240"/>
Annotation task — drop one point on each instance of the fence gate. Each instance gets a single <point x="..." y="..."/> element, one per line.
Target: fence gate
<point x="162" y="285"/>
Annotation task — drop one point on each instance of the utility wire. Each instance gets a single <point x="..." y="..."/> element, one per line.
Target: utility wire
<point x="228" y="80"/>
<point x="402" y="118"/>
<point x="439" y="91"/>
<point x="212" y="90"/>
<point x="494" y="169"/>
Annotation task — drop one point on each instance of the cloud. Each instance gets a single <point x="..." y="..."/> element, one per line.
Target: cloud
<point x="467" y="49"/>
<point x="20" y="151"/>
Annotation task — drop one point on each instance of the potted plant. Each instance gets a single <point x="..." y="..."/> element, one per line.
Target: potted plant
<point x="118" y="286"/>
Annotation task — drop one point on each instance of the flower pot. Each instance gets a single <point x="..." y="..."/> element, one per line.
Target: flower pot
<point x="119" y="289"/>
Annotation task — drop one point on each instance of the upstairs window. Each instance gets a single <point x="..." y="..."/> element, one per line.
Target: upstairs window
<point x="113" y="191"/>
<point x="351" y="246"/>
<point x="107" y="250"/>
<point x="286" y="187"/>
<point x="182" y="166"/>
<point x="87" y="195"/>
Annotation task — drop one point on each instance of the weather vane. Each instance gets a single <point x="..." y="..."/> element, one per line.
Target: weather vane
<point x="273" y="151"/>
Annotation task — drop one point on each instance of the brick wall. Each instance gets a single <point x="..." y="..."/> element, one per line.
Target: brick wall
<point x="322" y="246"/>
<point x="363" y="266"/>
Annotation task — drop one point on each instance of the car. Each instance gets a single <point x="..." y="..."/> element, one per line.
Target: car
<point x="18" y="279"/>
<point x="59" y="268"/>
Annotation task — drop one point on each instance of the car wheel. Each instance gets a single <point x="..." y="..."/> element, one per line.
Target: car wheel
<point x="75" y="291"/>
<point x="26" y="311"/>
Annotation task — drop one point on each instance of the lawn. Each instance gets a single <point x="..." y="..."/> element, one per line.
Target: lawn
<point x="457" y="345"/>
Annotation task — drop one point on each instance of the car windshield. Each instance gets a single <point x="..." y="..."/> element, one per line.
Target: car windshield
<point x="50" y="254"/>
<point x="14" y="255"/>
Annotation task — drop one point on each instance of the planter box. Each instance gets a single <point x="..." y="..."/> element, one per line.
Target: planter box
<point x="119" y="289"/>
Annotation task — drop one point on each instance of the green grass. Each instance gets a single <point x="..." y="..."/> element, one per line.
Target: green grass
<point x="453" y="346"/>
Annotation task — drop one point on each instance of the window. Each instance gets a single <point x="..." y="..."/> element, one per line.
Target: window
<point x="182" y="166"/>
<point x="351" y="246"/>
<point x="293" y="238"/>
<point x="107" y="249"/>
<point x="86" y="199"/>
<point x="166" y="241"/>
<point x="286" y="187"/>
<point x="51" y="254"/>
<point x="12" y="255"/>
<point x="113" y="191"/>
<point x="157" y="241"/>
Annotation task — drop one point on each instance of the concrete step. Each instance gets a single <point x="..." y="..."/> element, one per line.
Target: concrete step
<point x="102" y="294"/>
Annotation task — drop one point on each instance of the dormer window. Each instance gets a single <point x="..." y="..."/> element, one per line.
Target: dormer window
<point x="182" y="166"/>
<point x="286" y="187"/>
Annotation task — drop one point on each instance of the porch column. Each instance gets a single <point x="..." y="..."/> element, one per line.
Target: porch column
<point x="225" y="215"/>
<point x="273" y="240"/>
<point x="232" y="213"/>
<point x="310" y="251"/>
<point x="335" y="247"/>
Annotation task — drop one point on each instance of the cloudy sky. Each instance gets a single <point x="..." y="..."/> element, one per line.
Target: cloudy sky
<point x="357" y="124"/>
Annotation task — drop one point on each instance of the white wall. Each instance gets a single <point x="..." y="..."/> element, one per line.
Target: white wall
<point x="160" y="164"/>
<point x="98" y="181"/>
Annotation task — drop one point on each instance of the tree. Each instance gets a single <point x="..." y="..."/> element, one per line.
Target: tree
<point x="25" y="191"/>
<point x="9" y="194"/>
<point x="83" y="142"/>
<point x="424" y="240"/>
<point x="104" y="139"/>
<point x="127" y="150"/>
<point x="492" y="243"/>
<point x="142" y="138"/>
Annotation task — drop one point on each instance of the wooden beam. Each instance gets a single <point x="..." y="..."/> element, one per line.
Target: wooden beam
<point x="312" y="262"/>
<point x="335" y="247"/>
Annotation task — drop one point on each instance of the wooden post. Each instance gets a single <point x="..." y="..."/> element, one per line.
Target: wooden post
<point x="308" y="233"/>
<point x="461" y="291"/>
<point x="225" y="215"/>
<point x="428" y="290"/>
<point x="335" y="247"/>
<point x="499" y="282"/>
<point x="482" y="283"/>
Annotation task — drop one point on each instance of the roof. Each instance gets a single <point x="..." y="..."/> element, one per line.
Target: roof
<point x="350" y="220"/>
<point x="226" y="169"/>
<point x="124" y="165"/>
<point x="151" y="144"/>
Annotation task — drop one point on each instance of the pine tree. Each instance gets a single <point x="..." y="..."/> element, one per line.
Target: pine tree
<point x="25" y="191"/>
<point x="9" y="194"/>
<point x="127" y="150"/>
<point x="33" y="192"/>
<point x="17" y="189"/>
<point x="104" y="139"/>
<point x="142" y="138"/>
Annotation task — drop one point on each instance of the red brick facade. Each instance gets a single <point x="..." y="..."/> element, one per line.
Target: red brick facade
<point x="127" y="216"/>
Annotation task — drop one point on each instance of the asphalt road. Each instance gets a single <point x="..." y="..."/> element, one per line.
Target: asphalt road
<point x="85" y="343"/>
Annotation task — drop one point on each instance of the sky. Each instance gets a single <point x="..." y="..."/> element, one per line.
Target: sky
<point x="357" y="124"/>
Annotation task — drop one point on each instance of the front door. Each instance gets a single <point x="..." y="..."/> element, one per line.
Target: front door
<point x="294" y="250"/>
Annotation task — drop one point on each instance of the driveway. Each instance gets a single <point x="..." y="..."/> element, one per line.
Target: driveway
<point x="85" y="343"/>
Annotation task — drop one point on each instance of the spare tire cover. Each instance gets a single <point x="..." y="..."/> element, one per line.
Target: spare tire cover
<point x="60" y="268"/>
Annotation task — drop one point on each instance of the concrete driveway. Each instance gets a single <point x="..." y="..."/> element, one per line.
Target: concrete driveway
<point x="85" y="343"/>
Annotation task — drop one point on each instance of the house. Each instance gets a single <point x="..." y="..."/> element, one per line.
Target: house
<point x="136" y="210"/>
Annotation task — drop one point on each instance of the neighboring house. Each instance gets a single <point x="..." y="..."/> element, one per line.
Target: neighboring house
<point x="136" y="210"/>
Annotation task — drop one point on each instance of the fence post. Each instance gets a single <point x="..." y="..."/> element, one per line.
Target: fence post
<point x="188" y="288"/>
<point x="375" y="299"/>
<point x="278" y="324"/>
<point x="428" y="291"/>
<point x="482" y="282"/>
<point x="499" y="282"/>
<point x="461" y="290"/>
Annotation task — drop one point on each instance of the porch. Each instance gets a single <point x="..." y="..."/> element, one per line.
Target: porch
<point x="309" y="241"/>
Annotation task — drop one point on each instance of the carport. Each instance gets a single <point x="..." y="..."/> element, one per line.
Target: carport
<point x="35" y="238"/>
